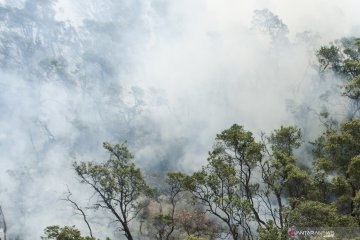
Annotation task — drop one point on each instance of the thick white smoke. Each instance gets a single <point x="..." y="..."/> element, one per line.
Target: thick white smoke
<point x="165" y="75"/>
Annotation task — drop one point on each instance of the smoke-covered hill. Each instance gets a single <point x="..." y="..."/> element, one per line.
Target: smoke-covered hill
<point x="166" y="76"/>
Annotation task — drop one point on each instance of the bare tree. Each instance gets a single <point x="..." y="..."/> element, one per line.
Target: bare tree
<point x="4" y="221"/>
<point x="78" y="209"/>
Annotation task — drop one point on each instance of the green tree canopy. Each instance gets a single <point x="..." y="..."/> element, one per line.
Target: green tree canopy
<point x="117" y="183"/>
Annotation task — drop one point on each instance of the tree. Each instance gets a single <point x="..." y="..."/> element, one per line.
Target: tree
<point x="195" y="222"/>
<point x="63" y="233"/>
<point x="174" y="214"/>
<point x="317" y="214"/>
<point x="79" y="210"/>
<point x="268" y="23"/>
<point x="284" y="183"/>
<point x="117" y="183"/>
<point x="3" y="222"/>
<point x="342" y="58"/>
<point x="280" y="171"/>
<point x="159" y="214"/>
<point x="352" y="88"/>
<point x="224" y="185"/>
<point x="329" y="58"/>
<point x="339" y="156"/>
<point x="173" y="181"/>
<point x="247" y="183"/>
<point x="271" y="232"/>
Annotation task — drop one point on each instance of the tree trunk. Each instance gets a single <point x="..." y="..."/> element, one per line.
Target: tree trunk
<point x="127" y="232"/>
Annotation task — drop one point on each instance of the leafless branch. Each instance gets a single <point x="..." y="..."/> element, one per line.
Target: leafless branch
<point x="78" y="209"/>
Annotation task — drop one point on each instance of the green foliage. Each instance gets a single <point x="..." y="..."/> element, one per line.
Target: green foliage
<point x="320" y="188"/>
<point x="118" y="184"/>
<point x="339" y="147"/>
<point x="343" y="59"/>
<point x="352" y="66"/>
<point x="352" y="88"/>
<point x="338" y="155"/>
<point x="297" y="182"/>
<point x="271" y="232"/>
<point x="285" y="139"/>
<point x="116" y="176"/>
<point x="174" y="181"/>
<point x="317" y="214"/>
<point x="324" y="164"/>
<point x="241" y="177"/>
<point x="63" y="233"/>
<point x="353" y="128"/>
<point x="340" y="185"/>
<point x="192" y="237"/>
<point x="236" y="144"/>
<point x="281" y="173"/>
<point x="228" y="186"/>
<point x="329" y="57"/>
<point x="356" y="210"/>
<point x="223" y="186"/>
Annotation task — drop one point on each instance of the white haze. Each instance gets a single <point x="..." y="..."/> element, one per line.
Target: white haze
<point x="181" y="72"/>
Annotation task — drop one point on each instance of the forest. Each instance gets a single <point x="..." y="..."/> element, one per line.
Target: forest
<point x="142" y="120"/>
<point x="246" y="184"/>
